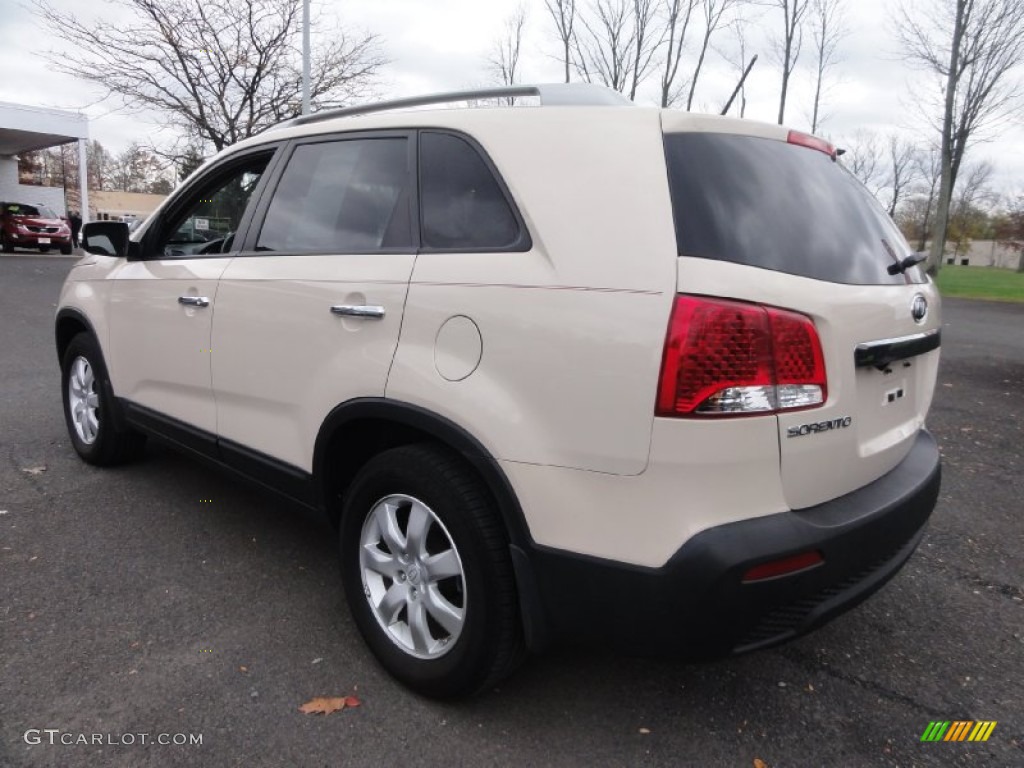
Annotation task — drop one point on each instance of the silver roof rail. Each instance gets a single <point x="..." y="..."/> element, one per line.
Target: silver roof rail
<point x="550" y="94"/>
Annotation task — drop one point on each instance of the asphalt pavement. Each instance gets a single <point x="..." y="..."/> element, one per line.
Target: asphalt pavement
<point x="165" y="599"/>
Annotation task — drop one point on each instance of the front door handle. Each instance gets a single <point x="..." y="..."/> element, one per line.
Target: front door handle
<point x="359" y="310"/>
<point x="194" y="301"/>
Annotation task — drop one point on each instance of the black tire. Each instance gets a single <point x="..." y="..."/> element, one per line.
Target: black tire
<point x="490" y="643"/>
<point x="5" y="245"/>
<point x="65" y="250"/>
<point x="112" y="444"/>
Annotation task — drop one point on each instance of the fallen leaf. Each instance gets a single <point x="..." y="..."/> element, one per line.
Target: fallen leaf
<point x="34" y="470"/>
<point x="645" y="731"/>
<point x="759" y="763"/>
<point x="243" y="669"/>
<point x="323" y="705"/>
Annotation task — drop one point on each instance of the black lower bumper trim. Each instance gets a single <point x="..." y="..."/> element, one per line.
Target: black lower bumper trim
<point x="697" y="605"/>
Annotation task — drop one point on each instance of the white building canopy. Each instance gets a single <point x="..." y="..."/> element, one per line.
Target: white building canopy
<point x="24" y="128"/>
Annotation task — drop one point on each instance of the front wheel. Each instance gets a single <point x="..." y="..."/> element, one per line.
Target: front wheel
<point x="89" y="405"/>
<point x="65" y="250"/>
<point x="427" y="572"/>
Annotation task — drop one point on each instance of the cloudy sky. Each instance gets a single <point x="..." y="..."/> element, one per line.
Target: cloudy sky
<point x="437" y="45"/>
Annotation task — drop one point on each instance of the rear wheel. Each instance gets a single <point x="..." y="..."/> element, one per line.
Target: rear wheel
<point x="89" y="406"/>
<point x="427" y="572"/>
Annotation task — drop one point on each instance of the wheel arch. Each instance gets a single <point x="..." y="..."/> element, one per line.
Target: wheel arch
<point x="359" y="429"/>
<point x="68" y="324"/>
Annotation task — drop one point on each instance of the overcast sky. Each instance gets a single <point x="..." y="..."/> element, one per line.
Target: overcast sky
<point x="437" y="45"/>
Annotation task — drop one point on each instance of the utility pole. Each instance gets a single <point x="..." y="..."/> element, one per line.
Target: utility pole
<point x="305" y="57"/>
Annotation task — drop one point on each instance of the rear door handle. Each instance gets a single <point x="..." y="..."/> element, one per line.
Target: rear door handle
<point x="194" y="301"/>
<point x="359" y="310"/>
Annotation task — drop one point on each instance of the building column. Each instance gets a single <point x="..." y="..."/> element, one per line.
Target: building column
<point x="83" y="180"/>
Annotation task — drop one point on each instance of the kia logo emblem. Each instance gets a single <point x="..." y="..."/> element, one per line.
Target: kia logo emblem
<point x="919" y="308"/>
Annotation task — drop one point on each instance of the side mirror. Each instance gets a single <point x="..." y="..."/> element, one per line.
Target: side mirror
<point x="105" y="238"/>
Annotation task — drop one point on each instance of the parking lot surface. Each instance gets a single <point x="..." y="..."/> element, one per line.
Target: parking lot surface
<point x="166" y="599"/>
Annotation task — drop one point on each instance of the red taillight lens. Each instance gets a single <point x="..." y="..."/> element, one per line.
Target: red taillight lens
<point x="730" y="358"/>
<point x="811" y="142"/>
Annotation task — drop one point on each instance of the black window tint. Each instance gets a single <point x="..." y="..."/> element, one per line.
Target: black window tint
<point x="461" y="203"/>
<point x="341" y="197"/>
<point x="779" y="206"/>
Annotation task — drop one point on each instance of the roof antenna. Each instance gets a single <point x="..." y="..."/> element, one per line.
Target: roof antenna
<point x="739" y="85"/>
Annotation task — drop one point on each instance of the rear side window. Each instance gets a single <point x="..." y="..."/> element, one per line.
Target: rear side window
<point x="778" y="206"/>
<point x="348" y="196"/>
<point x="462" y="206"/>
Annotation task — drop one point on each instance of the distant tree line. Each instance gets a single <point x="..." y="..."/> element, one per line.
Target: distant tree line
<point x="135" y="169"/>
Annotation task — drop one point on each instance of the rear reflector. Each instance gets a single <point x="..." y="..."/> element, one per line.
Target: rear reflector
<point x="784" y="567"/>
<point x="730" y="358"/>
<point x="811" y="142"/>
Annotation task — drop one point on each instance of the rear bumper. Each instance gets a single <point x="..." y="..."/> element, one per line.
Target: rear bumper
<point x="697" y="606"/>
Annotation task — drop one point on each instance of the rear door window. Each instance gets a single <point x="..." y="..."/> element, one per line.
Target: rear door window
<point x="462" y="204"/>
<point x="779" y="206"/>
<point x="345" y="196"/>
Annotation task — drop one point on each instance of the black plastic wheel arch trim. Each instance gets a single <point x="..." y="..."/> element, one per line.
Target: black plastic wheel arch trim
<point x="458" y="439"/>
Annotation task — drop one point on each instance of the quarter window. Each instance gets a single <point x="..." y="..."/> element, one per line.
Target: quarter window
<point x="345" y="196"/>
<point x="461" y="204"/>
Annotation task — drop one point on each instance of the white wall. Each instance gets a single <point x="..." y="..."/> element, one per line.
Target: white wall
<point x="13" y="192"/>
<point x="984" y="253"/>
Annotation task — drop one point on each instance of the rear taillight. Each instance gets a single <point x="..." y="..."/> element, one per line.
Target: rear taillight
<point x="811" y="142"/>
<point x="729" y="358"/>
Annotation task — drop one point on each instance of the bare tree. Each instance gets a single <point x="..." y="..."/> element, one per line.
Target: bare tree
<point x="135" y="169"/>
<point x="965" y="213"/>
<point x="828" y="31"/>
<point x="1015" y="239"/>
<point x="221" y="70"/>
<point x="677" y="23"/>
<point x="649" y="38"/>
<point x="713" y="11"/>
<point x="863" y="158"/>
<point x="787" y="47"/>
<point x="902" y="170"/>
<point x="972" y="46"/>
<point x="617" y="43"/>
<point x="919" y="206"/>
<point x="504" y="61"/>
<point x="563" y="14"/>
<point x="737" y="57"/>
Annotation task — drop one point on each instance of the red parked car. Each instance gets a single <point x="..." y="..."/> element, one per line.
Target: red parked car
<point x="33" y="226"/>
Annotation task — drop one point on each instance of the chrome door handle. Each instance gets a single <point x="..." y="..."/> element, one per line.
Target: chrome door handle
<point x="360" y="310"/>
<point x="194" y="301"/>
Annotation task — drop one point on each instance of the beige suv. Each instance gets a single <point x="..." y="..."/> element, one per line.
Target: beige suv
<point x="557" y="372"/>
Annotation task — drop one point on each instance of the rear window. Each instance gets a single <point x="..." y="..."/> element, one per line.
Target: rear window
<point x="778" y="206"/>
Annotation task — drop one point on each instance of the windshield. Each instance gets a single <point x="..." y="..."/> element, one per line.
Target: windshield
<point x="779" y="206"/>
<point x="38" y="211"/>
